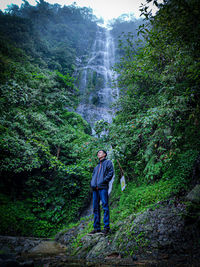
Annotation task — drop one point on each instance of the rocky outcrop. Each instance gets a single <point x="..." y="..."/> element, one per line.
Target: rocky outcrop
<point x="27" y="251"/>
<point x="194" y="195"/>
<point x="162" y="231"/>
<point x="167" y="233"/>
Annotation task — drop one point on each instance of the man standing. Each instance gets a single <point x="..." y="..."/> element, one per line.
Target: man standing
<point x="101" y="177"/>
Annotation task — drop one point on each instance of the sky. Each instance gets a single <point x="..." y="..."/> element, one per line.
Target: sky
<point x="107" y="9"/>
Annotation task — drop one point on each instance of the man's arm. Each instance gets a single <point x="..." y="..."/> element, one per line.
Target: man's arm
<point x="92" y="182"/>
<point x="110" y="171"/>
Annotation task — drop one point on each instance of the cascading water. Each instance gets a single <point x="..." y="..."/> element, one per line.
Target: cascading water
<point x="96" y="85"/>
<point x="95" y="80"/>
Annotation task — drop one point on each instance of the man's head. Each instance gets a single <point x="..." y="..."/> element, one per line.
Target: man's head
<point x="101" y="154"/>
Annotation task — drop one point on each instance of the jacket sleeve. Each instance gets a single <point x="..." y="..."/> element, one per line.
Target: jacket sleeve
<point x="110" y="172"/>
<point x="92" y="180"/>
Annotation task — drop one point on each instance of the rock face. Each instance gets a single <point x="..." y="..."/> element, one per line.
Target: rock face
<point x="194" y="195"/>
<point x="11" y="244"/>
<point x="24" y="251"/>
<point x="164" y="234"/>
<point x="47" y="248"/>
<point x="161" y="230"/>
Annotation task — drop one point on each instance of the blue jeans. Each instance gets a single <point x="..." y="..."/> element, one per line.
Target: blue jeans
<point x="101" y="194"/>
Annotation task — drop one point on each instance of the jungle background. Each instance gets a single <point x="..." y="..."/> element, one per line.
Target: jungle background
<point x="48" y="151"/>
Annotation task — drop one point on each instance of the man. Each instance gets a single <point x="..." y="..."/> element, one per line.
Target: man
<point x="101" y="177"/>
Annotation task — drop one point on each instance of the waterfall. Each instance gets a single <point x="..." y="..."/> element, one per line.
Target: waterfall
<point x="95" y="80"/>
<point x="95" y="76"/>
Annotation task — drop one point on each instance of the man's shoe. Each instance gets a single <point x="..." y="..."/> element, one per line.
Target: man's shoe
<point x="95" y="231"/>
<point x="105" y="231"/>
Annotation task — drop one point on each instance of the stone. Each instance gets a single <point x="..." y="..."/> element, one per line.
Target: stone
<point x="113" y="255"/>
<point x="18" y="249"/>
<point x="134" y="258"/>
<point x="46" y="248"/>
<point x="159" y="230"/>
<point x="148" y="227"/>
<point x="154" y="245"/>
<point x="194" y="194"/>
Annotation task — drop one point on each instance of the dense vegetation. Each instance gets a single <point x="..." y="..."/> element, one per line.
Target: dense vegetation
<point x="156" y="133"/>
<point x="47" y="151"/>
<point x="45" y="145"/>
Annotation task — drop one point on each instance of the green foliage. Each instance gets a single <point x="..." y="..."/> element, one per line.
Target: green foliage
<point x="155" y="134"/>
<point x="158" y="110"/>
<point x="135" y="199"/>
<point x="77" y="121"/>
<point x="46" y="150"/>
<point x="100" y="126"/>
<point x="55" y="180"/>
<point x="50" y="34"/>
<point x="47" y="153"/>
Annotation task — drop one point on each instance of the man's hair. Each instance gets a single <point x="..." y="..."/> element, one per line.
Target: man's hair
<point x="103" y="151"/>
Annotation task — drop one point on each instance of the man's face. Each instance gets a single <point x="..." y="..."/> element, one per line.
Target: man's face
<point x="101" y="154"/>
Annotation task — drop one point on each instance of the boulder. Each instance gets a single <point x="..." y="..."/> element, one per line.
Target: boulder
<point x="47" y="248"/>
<point x="194" y="194"/>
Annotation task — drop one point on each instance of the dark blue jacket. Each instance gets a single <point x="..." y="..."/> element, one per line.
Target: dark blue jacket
<point x="102" y="174"/>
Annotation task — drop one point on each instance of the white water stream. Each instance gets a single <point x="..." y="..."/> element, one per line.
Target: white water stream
<point x="96" y="85"/>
